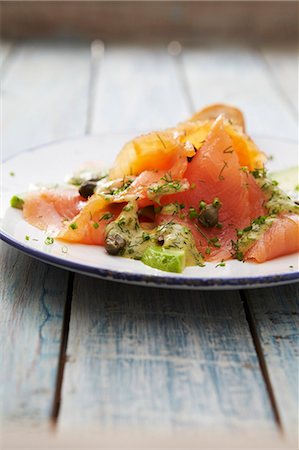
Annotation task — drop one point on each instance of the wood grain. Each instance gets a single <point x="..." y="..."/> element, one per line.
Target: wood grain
<point x="154" y="357"/>
<point x="275" y="314"/>
<point x="44" y="98"/>
<point x="44" y="94"/>
<point x="31" y="313"/>
<point x="137" y="89"/>
<point x="283" y="63"/>
<point x="237" y="75"/>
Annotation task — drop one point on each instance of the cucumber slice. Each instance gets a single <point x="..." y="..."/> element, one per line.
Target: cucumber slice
<point x="288" y="179"/>
<point x="17" y="202"/>
<point x="164" y="259"/>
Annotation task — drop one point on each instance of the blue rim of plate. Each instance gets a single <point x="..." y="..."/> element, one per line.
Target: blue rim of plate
<point x="157" y="280"/>
<point x="147" y="280"/>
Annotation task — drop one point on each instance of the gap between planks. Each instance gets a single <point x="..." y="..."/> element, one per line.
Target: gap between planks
<point x="96" y="56"/>
<point x="63" y="349"/>
<point x="261" y="359"/>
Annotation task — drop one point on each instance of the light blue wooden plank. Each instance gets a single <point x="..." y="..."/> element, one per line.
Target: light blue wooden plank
<point x="137" y="89"/>
<point x="143" y="356"/>
<point x="44" y="94"/>
<point x="275" y="314"/>
<point x="283" y="63"/>
<point x="236" y="74"/>
<point x="33" y="296"/>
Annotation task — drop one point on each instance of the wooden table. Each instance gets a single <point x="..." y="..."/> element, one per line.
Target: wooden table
<point x="87" y="363"/>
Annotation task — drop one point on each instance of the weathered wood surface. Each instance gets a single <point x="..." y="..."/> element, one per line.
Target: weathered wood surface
<point x="44" y="94"/>
<point x="38" y="105"/>
<point x="275" y="315"/>
<point x="137" y="89"/>
<point x="238" y="75"/>
<point x="136" y="356"/>
<point x="283" y="64"/>
<point x="160" y="358"/>
<point x="32" y="303"/>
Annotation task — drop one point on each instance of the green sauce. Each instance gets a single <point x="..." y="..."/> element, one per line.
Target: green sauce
<point x="278" y="202"/>
<point x="172" y="235"/>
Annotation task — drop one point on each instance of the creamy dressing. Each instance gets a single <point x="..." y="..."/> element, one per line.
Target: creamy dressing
<point x="252" y="233"/>
<point x="278" y="202"/>
<point x="138" y="237"/>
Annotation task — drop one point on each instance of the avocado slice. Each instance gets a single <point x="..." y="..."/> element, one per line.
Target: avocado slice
<point x="164" y="259"/>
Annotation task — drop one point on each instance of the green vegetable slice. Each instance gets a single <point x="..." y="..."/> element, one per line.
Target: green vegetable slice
<point x="164" y="259"/>
<point x="17" y="202"/>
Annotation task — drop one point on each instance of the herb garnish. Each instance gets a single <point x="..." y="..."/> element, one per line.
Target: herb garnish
<point x="221" y="264"/>
<point x="228" y="150"/>
<point x="220" y="176"/>
<point x="259" y="173"/>
<point x="49" y="240"/>
<point x="106" y="216"/>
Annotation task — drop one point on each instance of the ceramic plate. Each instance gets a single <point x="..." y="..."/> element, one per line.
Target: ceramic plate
<point x="51" y="163"/>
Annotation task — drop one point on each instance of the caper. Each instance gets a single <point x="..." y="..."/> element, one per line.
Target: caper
<point x="87" y="188"/>
<point x="114" y="243"/>
<point x="208" y="217"/>
<point x="160" y="240"/>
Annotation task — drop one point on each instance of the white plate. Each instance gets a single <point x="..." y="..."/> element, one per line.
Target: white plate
<point x="49" y="164"/>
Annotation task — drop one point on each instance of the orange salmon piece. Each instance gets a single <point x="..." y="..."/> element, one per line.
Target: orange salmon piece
<point x="282" y="238"/>
<point x="88" y="227"/>
<point x="47" y="209"/>
<point x="215" y="172"/>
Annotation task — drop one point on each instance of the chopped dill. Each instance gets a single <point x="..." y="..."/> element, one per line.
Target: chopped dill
<point x="259" y="173"/>
<point x="228" y="150"/>
<point x="220" y="176"/>
<point x="221" y="264"/>
<point x="193" y="213"/>
<point x="145" y="236"/>
<point x="49" y="240"/>
<point x="106" y="216"/>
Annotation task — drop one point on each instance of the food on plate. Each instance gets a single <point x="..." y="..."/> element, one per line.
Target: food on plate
<point x="184" y="196"/>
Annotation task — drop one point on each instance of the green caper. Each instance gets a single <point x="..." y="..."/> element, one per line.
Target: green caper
<point x="87" y="188"/>
<point x="114" y="243"/>
<point x="208" y="217"/>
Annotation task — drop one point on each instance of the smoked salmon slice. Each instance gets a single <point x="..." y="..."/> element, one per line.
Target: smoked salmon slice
<point x="47" y="209"/>
<point x="215" y="172"/>
<point x="282" y="238"/>
<point x="88" y="227"/>
<point x="176" y="177"/>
